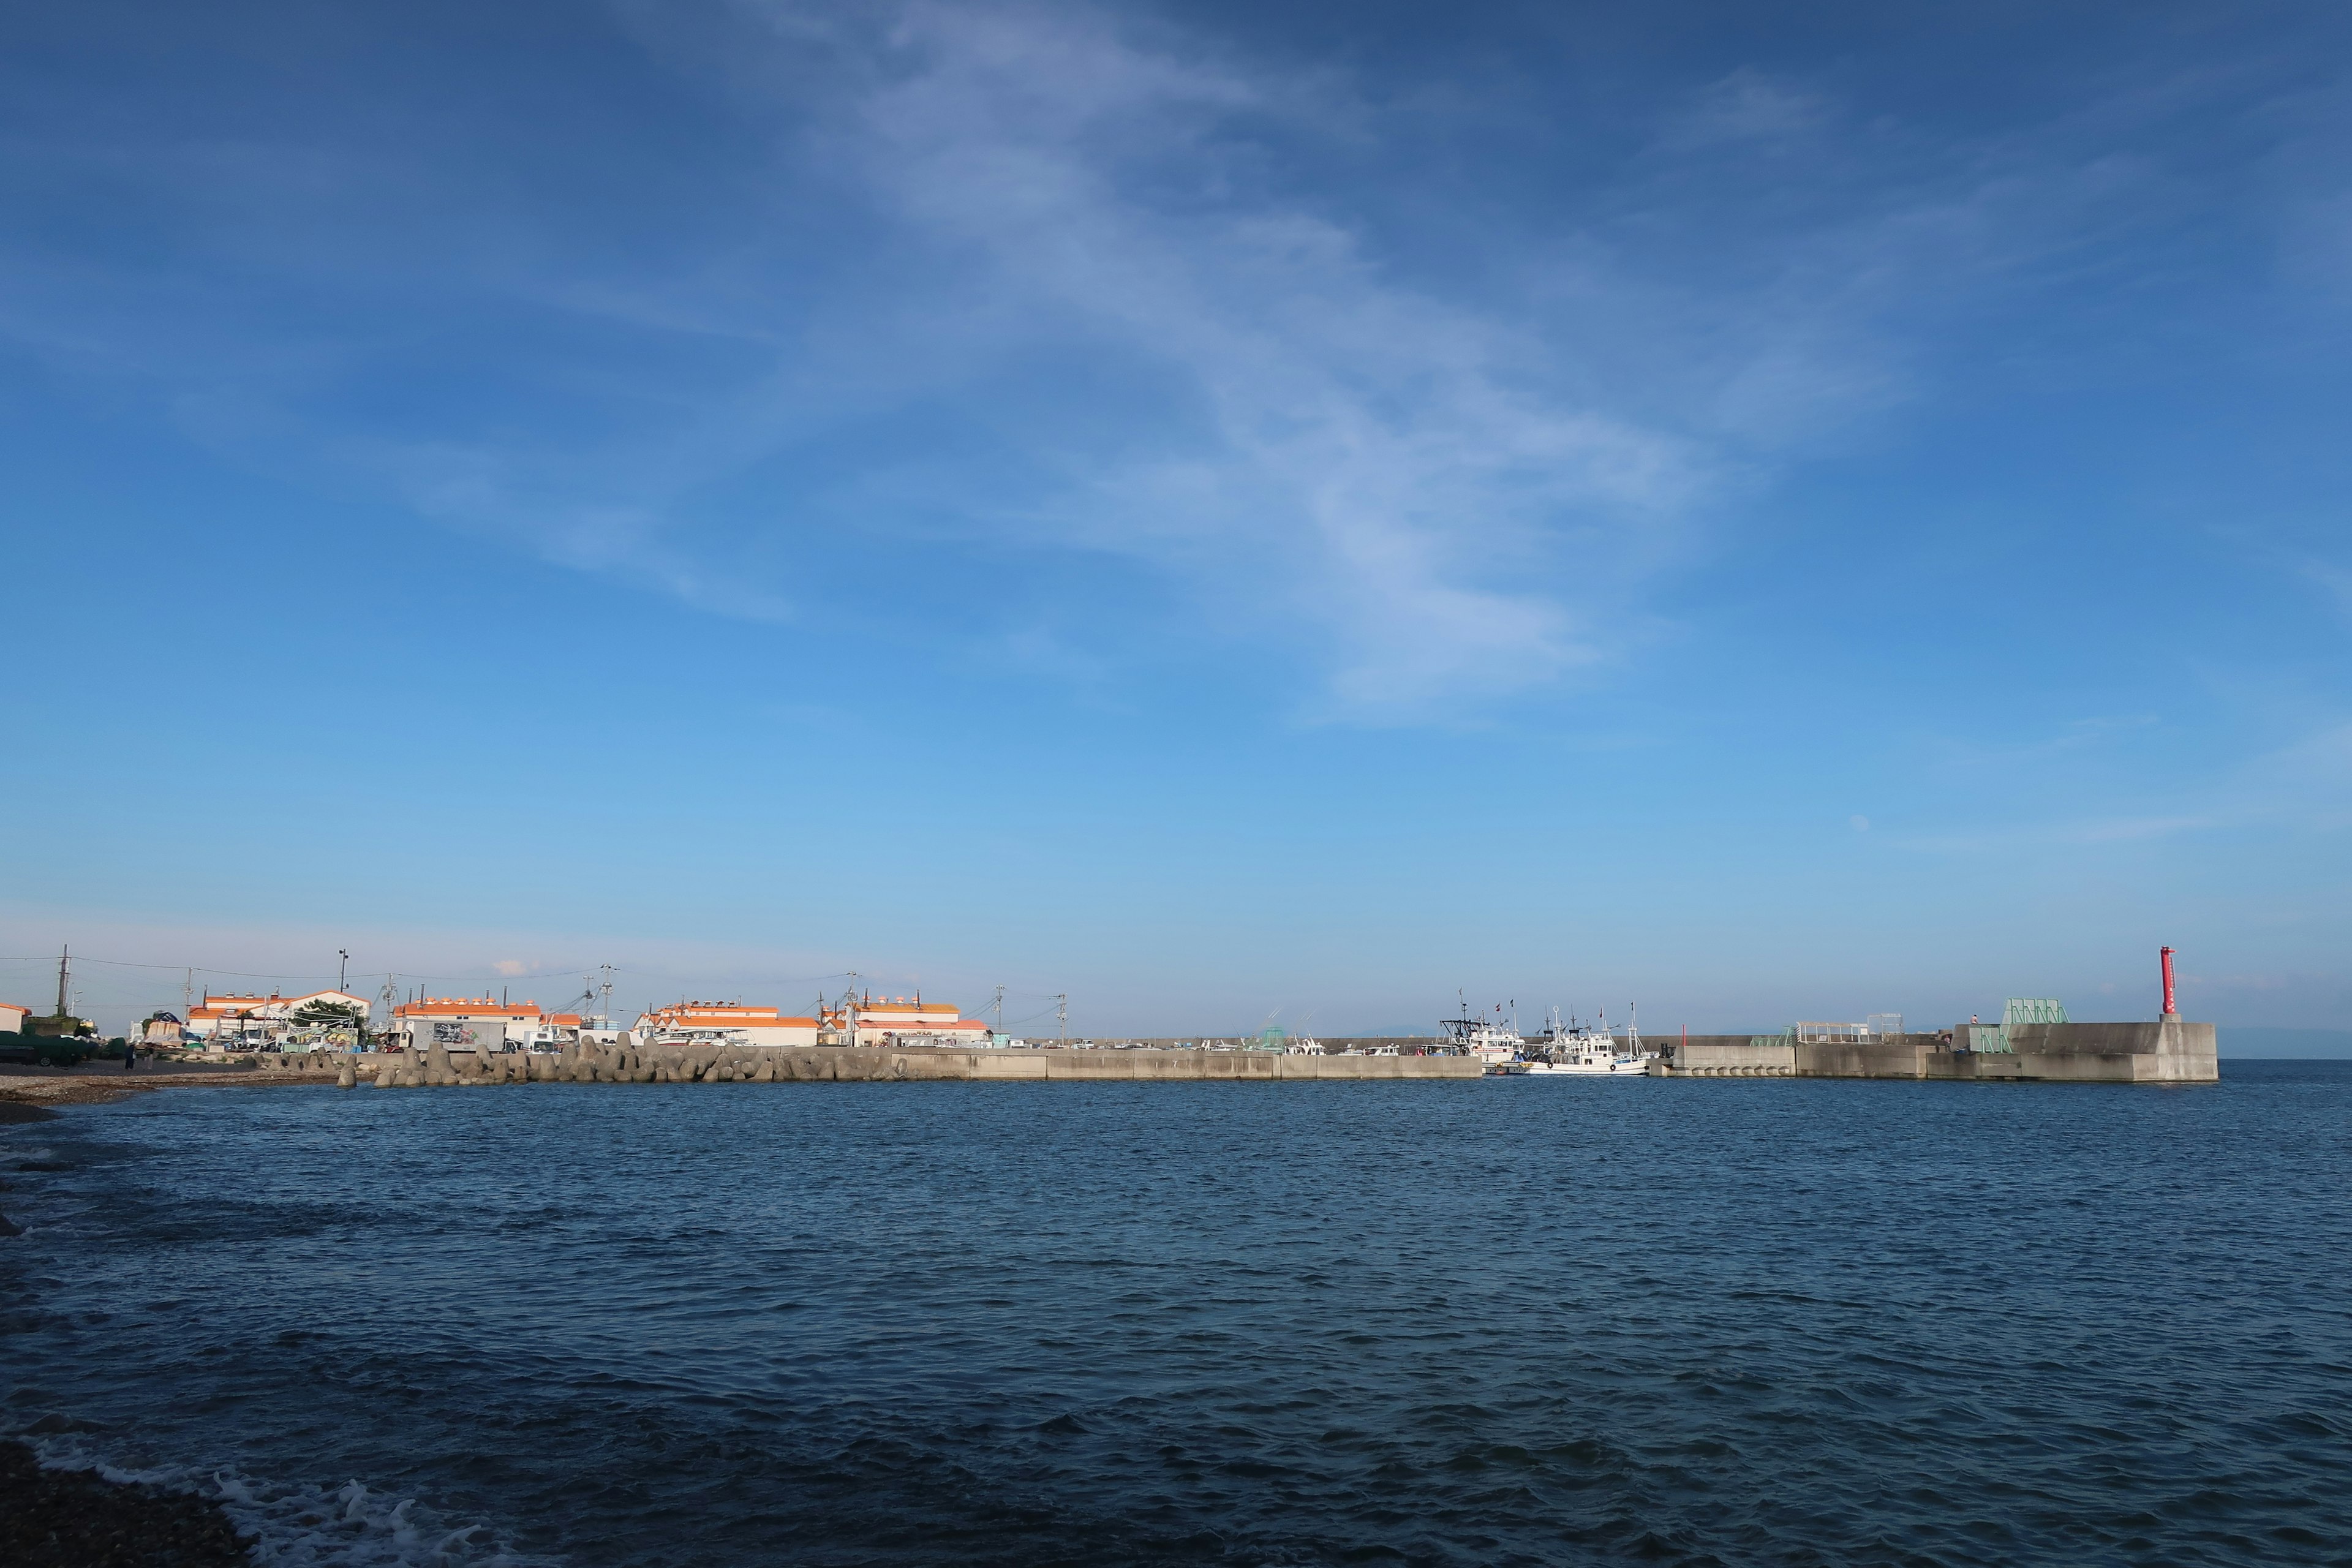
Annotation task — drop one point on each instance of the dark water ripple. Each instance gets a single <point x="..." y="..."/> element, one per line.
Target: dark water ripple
<point x="1496" y="1322"/>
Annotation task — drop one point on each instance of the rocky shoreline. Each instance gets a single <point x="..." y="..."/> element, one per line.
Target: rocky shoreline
<point x="77" y="1519"/>
<point x="96" y="1085"/>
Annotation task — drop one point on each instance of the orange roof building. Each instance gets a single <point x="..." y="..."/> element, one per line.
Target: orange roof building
<point x="466" y="1023"/>
<point x="732" y="1023"/>
<point x="241" y="1015"/>
<point x="906" y="1021"/>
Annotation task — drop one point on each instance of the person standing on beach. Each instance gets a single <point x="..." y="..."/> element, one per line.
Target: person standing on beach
<point x="130" y="1056"/>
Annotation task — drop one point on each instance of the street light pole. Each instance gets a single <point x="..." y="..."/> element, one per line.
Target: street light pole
<point x="343" y="974"/>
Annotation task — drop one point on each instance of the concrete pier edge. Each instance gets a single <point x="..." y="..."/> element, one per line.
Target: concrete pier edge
<point x="2169" y="1050"/>
<point x="594" y="1063"/>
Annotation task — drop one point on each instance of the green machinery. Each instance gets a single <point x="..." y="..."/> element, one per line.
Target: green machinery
<point x="2017" y="1010"/>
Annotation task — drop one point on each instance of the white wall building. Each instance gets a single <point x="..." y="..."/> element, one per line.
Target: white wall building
<point x="724" y="1023"/>
<point x="469" y="1024"/>
<point x="236" y="1022"/>
<point x="911" y="1021"/>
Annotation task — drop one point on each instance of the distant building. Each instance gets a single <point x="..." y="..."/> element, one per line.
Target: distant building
<point x="910" y="1021"/>
<point x="12" y="1018"/>
<point x="724" y="1023"/>
<point x="236" y="1022"/>
<point x="470" y="1024"/>
<point x="551" y="1033"/>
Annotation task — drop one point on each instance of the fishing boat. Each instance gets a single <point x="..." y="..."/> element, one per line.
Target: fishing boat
<point x="1569" y="1050"/>
<point x="1488" y="1039"/>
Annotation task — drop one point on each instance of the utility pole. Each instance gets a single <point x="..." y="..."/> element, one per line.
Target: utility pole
<point x="1061" y="1015"/>
<point x="65" y="956"/>
<point x="1000" y="1009"/>
<point x="344" y="972"/>
<point x="604" y="1018"/>
<point x="187" y="995"/>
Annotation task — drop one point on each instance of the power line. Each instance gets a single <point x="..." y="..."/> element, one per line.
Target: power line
<point x="121" y="963"/>
<point x="251" y="975"/>
<point x="543" y="972"/>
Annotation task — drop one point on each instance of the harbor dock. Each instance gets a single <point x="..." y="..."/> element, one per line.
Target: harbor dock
<point x="591" y="1062"/>
<point x="2169" y="1050"/>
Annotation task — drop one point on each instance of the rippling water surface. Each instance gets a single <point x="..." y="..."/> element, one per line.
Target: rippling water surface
<point x="1488" y="1323"/>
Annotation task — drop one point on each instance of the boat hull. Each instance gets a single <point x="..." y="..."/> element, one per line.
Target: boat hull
<point x="1593" y="1069"/>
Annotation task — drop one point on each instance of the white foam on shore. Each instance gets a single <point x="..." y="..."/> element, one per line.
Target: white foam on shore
<point x="304" y="1526"/>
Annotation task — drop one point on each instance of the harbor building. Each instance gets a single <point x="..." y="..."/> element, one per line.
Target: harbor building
<point x="469" y="1024"/>
<point x="724" y="1023"/>
<point x="551" y="1032"/>
<point x="229" y="1021"/>
<point x="905" y="1021"/>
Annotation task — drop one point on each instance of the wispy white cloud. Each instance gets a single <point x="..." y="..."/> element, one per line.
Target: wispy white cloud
<point x="2334" y="581"/>
<point x="2093" y="733"/>
<point x="2304" y="786"/>
<point x="1421" y="482"/>
<point x="1376" y="466"/>
<point x="1748" y="106"/>
<point x="2073" y="832"/>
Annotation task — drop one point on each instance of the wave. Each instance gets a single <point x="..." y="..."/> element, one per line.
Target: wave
<point x="303" y="1526"/>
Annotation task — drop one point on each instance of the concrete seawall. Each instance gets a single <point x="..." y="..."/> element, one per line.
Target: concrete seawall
<point x="2165" y="1052"/>
<point x="717" y="1064"/>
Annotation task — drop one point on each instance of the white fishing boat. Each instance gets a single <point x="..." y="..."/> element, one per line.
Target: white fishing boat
<point x="1569" y="1050"/>
<point x="1488" y="1039"/>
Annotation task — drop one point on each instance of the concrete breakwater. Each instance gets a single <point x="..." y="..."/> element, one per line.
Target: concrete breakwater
<point x="596" y="1063"/>
<point x="2169" y="1052"/>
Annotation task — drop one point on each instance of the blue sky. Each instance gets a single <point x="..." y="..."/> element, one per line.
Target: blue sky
<point x="1211" y="510"/>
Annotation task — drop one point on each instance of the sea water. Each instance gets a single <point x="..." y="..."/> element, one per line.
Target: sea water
<point x="1497" y="1321"/>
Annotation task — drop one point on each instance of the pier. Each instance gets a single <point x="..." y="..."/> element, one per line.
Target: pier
<point x="2168" y="1051"/>
<point x="589" y="1062"/>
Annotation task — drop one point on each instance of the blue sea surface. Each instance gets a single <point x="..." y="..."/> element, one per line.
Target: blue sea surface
<point x="1498" y="1321"/>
